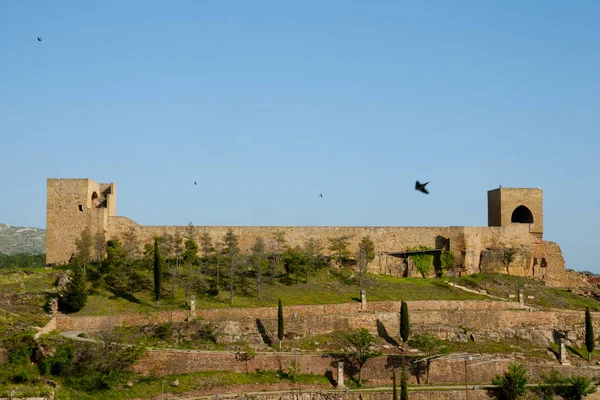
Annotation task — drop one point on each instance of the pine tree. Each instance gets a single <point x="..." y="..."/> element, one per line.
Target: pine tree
<point x="403" y="384"/>
<point x="589" y="333"/>
<point x="75" y="295"/>
<point x="280" y="328"/>
<point x="404" y="323"/>
<point x="394" y="389"/>
<point x="157" y="272"/>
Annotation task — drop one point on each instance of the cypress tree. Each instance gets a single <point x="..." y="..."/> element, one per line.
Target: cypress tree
<point x="404" y="324"/>
<point x="280" y="323"/>
<point x="157" y="272"/>
<point x="403" y="384"/>
<point x="394" y="389"/>
<point x="589" y="333"/>
<point x="75" y="295"/>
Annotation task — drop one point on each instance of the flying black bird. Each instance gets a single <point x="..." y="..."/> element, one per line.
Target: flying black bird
<point x="421" y="187"/>
<point x="39" y="39"/>
<point x="320" y="194"/>
<point x="194" y="182"/>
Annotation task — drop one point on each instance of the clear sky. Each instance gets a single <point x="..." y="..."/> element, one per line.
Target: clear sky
<point x="266" y="104"/>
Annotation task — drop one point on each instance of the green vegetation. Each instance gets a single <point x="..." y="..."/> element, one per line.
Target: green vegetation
<point x="403" y="384"/>
<point x="589" y="333"/>
<point x="404" y="322"/>
<point x="423" y="262"/>
<point x="75" y="295"/>
<point x="362" y="345"/>
<point x="22" y="260"/>
<point x="280" y="323"/>
<point x="511" y="384"/>
<point x="502" y="285"/>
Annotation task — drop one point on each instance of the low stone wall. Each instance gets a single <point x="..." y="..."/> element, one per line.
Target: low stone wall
<point x="50" y="326"/>
<point x="94" y="323"/>
<point x="377" y="370"/>
<point x="371" y="395"/>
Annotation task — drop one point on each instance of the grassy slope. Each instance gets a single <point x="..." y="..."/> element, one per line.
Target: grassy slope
<point x="328" y="286"/>
<point x="23" y="294"/>
<point x="502" y="285"/>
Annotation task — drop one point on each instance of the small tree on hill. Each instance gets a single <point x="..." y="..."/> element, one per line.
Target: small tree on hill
<point x="362" y="343"/>
<point x="508" y="256"/>
<point x="84" y="244"/>
<point x="99" y="246"/>
<point x="157" y="271"/>
<point x="404" y="322"/>
<point x="430" y="345"/>
<point x="511" y="385"/>
<point x="394" y="388"/>
<point x="280" y="326"/>
<point x="75" y="295"/>
<point x="339" y="246"/>
<point x="403" y="384"/>
<point x="232" y="250"/>
<point x="589" y="333"/>
<point x="259" y="261"/>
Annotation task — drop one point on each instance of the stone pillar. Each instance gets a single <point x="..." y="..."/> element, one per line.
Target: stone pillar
<point x="563" y="353"/>
<point x="340" y="376"/>
<point x="363" y="300"/>
<point x="192" y="307"/>
<point x="521" y="297"/>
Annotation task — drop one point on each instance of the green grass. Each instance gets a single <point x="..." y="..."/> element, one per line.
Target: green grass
<point x="545" y="297"/>
<point x="23" y="295"/>
<point x="329" y="286"/>
<point x="149" y="387"/>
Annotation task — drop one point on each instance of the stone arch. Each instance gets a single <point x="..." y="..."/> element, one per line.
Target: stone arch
<point x="95" y="201"/>
<point x="522" y="215"/>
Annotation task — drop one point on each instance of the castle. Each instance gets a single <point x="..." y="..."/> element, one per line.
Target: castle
<point x="515" y="224"/>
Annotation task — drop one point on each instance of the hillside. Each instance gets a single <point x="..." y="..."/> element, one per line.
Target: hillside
<point x="17" y="239"/>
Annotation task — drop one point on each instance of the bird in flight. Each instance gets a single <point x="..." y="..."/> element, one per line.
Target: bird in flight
<point x="194" y="182"/>
<point x="421" y="187"/>
<point x="320" y="194"/>
<point x="39" y="39"/>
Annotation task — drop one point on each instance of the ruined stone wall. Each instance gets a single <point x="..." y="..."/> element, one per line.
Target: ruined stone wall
<point x="376" y="371"/>
<point x="470" y="241"/>
<point x="489" y="319"/>
<point x="476" y="248"/>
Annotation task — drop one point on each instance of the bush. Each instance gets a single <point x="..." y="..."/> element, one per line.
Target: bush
<point x="59" y="362"/>
<point x="423" y="262"/>
<point x="163" y="331"/>
<point x="21" y="348"/>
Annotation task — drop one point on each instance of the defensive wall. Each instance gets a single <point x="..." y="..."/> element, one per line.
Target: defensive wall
<point x="515" y="221"/>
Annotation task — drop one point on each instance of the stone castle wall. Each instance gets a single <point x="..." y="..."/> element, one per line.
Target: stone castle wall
<point x="71" y="207"/>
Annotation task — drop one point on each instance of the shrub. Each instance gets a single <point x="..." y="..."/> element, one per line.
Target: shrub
<point x="163" y="331"/>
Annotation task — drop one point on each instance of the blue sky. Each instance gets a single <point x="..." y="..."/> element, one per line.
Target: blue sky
<point x="266" y="104"/>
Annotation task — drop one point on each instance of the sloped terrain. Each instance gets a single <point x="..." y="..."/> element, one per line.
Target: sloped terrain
<point x="17" y="239"/>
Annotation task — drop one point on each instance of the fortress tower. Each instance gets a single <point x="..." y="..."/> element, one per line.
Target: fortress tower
<point x="71" y="206"/>
<point x="508" y="206"/>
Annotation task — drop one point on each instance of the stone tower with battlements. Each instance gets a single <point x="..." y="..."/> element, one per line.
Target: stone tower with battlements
<point x="73" y="205"/>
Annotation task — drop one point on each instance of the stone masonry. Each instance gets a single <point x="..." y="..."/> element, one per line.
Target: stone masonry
<point x="515" y="221"/>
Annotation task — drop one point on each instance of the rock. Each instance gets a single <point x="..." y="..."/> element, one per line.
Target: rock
<point x="572" y="335"/>
<point x="130" y="383"/>
<point x="509" y="333"/>
<point x="175" y="383"/>
<point x="462" y="337"/>
<point x="387" y="346"/>
<point x="538" y="339"/>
